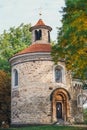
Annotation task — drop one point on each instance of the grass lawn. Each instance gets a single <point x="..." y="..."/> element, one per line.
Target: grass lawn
<point x="47" y="128"/>
<point x="85" y="115"/>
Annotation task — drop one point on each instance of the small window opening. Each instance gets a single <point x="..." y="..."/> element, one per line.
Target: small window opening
<point x="15" y="78"/>
<point x="38" y="35"/>
<point x="48" y="36"/>
<point x="58" y="75"/>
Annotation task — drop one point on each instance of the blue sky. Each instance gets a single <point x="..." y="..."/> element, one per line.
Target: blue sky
<point x="15" y="12"/>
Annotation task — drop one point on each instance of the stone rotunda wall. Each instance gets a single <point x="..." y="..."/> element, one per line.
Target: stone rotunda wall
<point x="31" y="100"/>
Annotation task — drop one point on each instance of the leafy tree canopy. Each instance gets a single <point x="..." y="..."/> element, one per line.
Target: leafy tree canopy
<point x="13" y="41"/>
<point x="72" y="38"/>
<point x="5" y="97"/>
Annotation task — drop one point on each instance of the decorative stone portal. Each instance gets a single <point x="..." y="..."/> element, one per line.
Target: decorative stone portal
<point x="60" y="105"/>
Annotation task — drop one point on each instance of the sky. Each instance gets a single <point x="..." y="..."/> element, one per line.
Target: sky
<point x="15" y="12"/>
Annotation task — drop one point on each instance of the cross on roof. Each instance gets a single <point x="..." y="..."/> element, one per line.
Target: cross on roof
<point x="40" y="13"/>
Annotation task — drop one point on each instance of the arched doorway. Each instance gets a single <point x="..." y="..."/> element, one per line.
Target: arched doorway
<point x="60" y="105"/>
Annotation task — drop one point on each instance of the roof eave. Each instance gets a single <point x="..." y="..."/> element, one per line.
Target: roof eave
<point x="40" y="26"/>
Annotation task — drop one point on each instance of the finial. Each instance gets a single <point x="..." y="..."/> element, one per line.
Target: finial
<point x="40" y="13"/>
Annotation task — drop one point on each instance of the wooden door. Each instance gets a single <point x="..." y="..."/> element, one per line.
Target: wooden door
<point x="59" y="110"/>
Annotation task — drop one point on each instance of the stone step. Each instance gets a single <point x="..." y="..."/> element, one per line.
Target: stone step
<point x="62" y="122"/>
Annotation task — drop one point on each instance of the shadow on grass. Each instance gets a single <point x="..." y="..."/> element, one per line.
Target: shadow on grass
<point x="52" y="127"/>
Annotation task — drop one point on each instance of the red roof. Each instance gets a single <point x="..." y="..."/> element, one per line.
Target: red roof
<point x="39" y="47"/>
<point x="40" y="22"/>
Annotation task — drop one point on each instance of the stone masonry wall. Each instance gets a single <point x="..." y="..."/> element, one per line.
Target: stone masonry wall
<point x="31" y="100"/>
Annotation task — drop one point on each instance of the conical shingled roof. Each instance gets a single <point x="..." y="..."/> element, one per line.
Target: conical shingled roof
<point x="40" y="24"/>
<point x="36" y="48"/>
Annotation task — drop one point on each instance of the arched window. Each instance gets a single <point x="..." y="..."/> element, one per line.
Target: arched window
<point x="15" y="77"/>
<point x="58" y="74"/>
<point x="38" y="35"/>
<point x="79" y="100"/>
<point x="48" y="36"/>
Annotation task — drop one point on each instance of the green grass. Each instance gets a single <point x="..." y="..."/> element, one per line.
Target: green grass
<point x="85" y="116"/>
<point x="47" y="128"/>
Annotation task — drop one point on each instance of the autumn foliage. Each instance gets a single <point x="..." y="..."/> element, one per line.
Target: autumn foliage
<point x="5" y="97"/>
<point x="72" y="38"/>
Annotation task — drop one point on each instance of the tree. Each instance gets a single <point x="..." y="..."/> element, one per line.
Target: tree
<point x="5" y="97"/>
<point x="13" y="41"/>
<point x="72" y="38"/>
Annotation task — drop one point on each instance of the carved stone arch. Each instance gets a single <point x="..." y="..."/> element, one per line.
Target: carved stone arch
<point x="62" y="97"/>
<point x="62" y="90"/>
